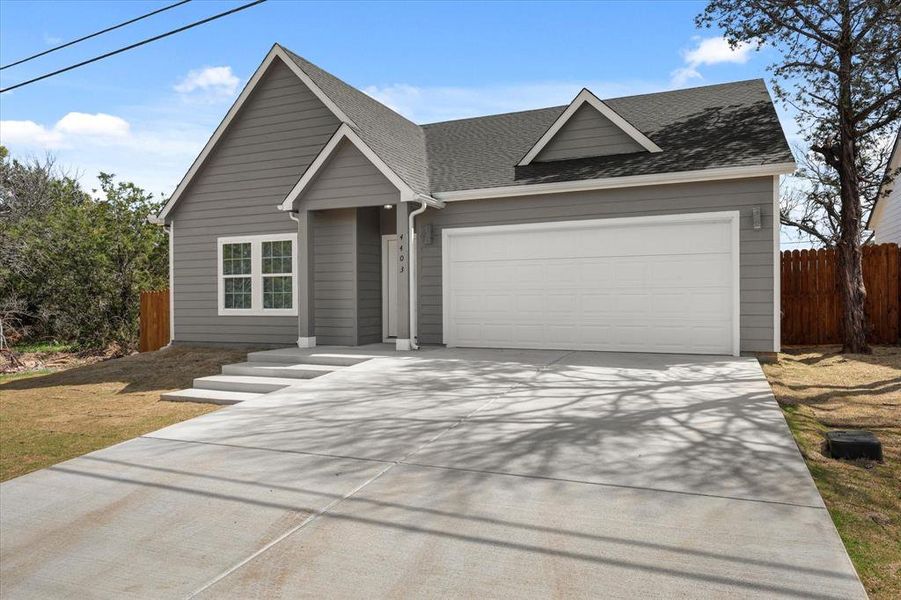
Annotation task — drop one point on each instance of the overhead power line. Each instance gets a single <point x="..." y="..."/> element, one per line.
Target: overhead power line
<point x="132" y="46"/>
<point x="93" y="35"/>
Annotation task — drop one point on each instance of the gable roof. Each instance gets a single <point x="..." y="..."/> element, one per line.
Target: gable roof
<point x="346" y="132"/>
<point x="586" y="97"/>
<point x="275" y="53"/>
<point x="712" y="128"/>
<point x="397" y="140"/>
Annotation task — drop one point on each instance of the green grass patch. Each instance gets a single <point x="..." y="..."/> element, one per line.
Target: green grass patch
<point x="819" y="390"/>
<point x="24" y="375"/>
<point x="44" y="347"/>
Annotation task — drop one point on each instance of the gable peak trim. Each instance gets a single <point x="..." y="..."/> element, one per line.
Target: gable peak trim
<point x="275" y="52"/>
<point x="585" y="96"/>
<point x="344" y="132"/>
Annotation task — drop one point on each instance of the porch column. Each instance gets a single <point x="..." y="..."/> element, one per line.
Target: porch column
<point x="403" y="276"/>
<point x="306" y="334"/>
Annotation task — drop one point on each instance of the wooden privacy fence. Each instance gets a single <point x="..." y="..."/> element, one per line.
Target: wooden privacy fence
<point x="154" y="320"/>
<point x="811" y="301"/>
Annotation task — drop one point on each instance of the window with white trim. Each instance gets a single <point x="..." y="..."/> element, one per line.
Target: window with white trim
<point x="257" y="275"/>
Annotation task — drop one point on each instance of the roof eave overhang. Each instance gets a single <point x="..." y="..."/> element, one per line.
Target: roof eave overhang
<point x="715" y="174"/>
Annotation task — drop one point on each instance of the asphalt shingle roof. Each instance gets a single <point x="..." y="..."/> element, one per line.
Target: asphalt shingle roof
<point x="724" y="125"/>
<point x="398" y="141"/>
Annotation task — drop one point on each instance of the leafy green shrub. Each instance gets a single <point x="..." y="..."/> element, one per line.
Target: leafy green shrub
<point x="72" y="266"/>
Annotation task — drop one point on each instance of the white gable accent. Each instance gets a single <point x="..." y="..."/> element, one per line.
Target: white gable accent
<point x="583" y="97"/>
<point x="345" y="132"/>
<point x="275" y="52"/>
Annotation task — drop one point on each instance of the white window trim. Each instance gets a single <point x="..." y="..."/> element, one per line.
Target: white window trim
<point x="583" y="97"/>
<point x="256" y="276"/>
<point x="727" y="216"/>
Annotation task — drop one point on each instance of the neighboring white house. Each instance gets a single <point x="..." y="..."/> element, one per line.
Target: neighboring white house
<point x="885" y="220"/>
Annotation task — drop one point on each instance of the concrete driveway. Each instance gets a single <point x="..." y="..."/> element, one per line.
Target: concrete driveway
<point x="448" y="473"/>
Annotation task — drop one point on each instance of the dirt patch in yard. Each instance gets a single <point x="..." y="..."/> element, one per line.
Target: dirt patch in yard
<point x="820" y="389"/>
<point x="48" y="416"/>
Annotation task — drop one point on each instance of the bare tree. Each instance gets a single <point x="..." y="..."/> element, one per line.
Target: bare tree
<point x="811" y="202"/>
<point x="841" y="72"/>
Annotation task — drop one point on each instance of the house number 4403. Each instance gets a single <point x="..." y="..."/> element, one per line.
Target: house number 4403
<point x="400" y="252"/>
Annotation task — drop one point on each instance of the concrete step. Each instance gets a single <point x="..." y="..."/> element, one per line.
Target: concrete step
<point x="294" y="357"/>
<point x="243" y="383"/>
<point x="274" y="369"/>
<point x="208" y="396"/>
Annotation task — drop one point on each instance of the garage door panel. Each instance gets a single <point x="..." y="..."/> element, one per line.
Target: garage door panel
<point x="713" y="304"/>
<point x="674" y="271"/>
<point x="666" y="287"/>
<point x="530" y="303"/>
<point x="634" y="240"/>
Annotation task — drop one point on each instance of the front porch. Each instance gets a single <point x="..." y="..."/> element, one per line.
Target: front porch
<point x="353" y="276"/>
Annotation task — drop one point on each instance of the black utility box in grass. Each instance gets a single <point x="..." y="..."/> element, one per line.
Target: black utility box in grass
<point x="853" y="443"/>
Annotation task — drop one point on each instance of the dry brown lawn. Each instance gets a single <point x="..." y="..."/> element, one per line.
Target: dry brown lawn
<point x="820" y="389"/>
<point x="48" y="416"/>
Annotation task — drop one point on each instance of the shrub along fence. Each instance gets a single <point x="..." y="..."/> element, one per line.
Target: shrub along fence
<point x="154" y="320"/>
<point x="811" y="301"/>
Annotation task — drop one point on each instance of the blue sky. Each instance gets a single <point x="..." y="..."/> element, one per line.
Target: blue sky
<point x="145" y="114"/>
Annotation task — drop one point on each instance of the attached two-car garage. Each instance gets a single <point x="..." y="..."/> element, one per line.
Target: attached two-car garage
<point x="646" y="284"/>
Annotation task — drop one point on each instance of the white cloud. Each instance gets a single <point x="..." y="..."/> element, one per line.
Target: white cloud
<point x="432" y="104"/>
<point x="710" y="51"/>
<point x="74" y="128"/>
<point x="683" y="75"/>
<point x="97" y="125"/>
<point x="713" y="51"/>
<point x="154" y="154"/>
<point x="215" y="81"/>
<point x="27" y="133"/>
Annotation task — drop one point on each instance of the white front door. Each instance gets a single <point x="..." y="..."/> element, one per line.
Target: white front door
<point x="389" y="287"/>
<point x="646" y="284"/>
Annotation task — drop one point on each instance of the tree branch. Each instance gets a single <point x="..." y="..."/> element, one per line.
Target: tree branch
<point x="879" y="103"/>
<point x="808" y="229"/>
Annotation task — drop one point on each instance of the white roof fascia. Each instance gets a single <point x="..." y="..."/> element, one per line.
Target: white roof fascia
<point x="617" y="182"/>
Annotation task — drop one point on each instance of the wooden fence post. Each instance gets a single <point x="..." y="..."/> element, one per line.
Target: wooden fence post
<point x="154" y="320"/>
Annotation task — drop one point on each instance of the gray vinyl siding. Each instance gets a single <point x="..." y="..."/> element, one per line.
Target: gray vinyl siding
<point x="756" y="246"/>
<point x="348" y="179"/>
<point x="588" y="133"/>
<point x="347" y="247"/>
<point x="334" y="279"/>
<point x="369" y="276"/>
<point x="277" y="134"/>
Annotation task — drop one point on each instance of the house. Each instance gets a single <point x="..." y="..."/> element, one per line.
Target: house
<point x="644" y="223"/>
<point x="885" y="218"/>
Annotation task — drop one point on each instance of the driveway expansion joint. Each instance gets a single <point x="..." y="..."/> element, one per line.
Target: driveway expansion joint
<point x="388" y="466"/>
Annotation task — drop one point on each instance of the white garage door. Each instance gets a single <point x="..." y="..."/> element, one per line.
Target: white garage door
<point x="647" y="284"/>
